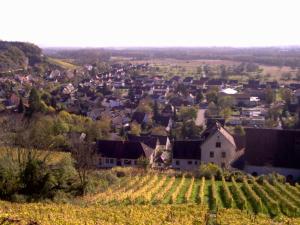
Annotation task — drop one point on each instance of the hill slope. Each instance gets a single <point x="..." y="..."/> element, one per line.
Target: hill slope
<point x="18" y="55"/>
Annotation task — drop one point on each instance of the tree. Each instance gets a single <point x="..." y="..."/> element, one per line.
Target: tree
<point x="155" y="111"/>
<point x="225" y="112"/>
<point x="21" y="106"/>
<point x="212" y="96"/>
<point x="131" y="95"/>
<point x="159" y="130"/>
<point x="187" y="113"/>
<point x="135" y="128"/>
<point x="225" y="102"/>
<point x="199" y="97"/>
<point x="34" y="102"/>
<point x="239" y="130"/>
<point x="189" y="130"/>
<point x="270" y="95"/>
<point x="298" y="75"/>
<point x="145" y="105"/>
<point x="223" y="72"/>
<point x="199" y="70"/>
<point x="83" y="151"/>
<point x="286" y="95"/>
<point x="143" y="162"/>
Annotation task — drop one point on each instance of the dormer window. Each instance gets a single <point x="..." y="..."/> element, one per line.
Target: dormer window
<point x="218" y="144"/>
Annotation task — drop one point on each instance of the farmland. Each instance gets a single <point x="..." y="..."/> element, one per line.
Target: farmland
<point x="270" y="198"/>
<point x="164" y="199"/>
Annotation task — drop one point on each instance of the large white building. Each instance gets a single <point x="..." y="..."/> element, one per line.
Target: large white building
<point x="216" y="146"/>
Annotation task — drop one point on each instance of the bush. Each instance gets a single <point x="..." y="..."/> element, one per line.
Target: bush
<point x="210" y="170"/>
<point x="27" y="178"/>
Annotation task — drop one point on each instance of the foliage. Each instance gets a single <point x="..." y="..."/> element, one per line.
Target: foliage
<point x="135" y="128"/>
<point x="270" y="95"/>
<point x="187" y="113"/>
<point x="210" y="170"/>
<point x="228" y="199"/>
<point x="143" y="162"/>
<point x="18" y="55"/>
<point x="32" y="177"/>
<point x="239" y="130"/>
<point x="189" y="130"/>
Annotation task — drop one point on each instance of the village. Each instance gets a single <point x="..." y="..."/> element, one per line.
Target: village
<point x="177" y="122"/>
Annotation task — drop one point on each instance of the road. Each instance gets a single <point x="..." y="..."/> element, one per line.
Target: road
<point x="200" y="120"/>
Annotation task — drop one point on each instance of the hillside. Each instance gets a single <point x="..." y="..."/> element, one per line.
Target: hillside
<point x="18" y="55"/>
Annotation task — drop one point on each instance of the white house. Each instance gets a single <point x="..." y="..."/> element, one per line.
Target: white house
<point x="216" y="146"/>
<point x="219" y="147"/>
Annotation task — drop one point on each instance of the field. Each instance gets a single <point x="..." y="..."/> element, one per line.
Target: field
<point x="62" y="63"/>
<point x="161" y="199"/>
<point x="170" y="67"/>
<point x="271" y="199"/>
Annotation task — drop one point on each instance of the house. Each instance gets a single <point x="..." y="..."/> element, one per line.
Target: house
<point x="140" y="117"/>
<point x="186" y="155"/>
<point x="165" y="121"/>
<point x="253" y="84"/>
<point x="214" y="83"/>
<point x="187" y="81"/>
<point x="168" y="110"/>
<point x="161" y="145"/>
<point x="120" y="153"/>
<point x="273" y="150"/>
<point x="126" y="153"/>
<point x="218" y="147"/>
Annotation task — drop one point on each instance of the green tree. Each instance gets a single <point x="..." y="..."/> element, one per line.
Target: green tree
<point x="225" y="102"/>
<point x="21" y="106"/>
<point x="189" y="130"/>
<point x="143" y="162"/>
<point x="286" y="95"/>
<point x="239" y="130"/>
<point x="270" y="95"/>
<point x="135" y="128"/>
<point x="199" y="97"/>
<point x="34" y="102"/>
<point x="212" y="96"/>
<point x="155" y="111"/>
<point x="187" y="113"/>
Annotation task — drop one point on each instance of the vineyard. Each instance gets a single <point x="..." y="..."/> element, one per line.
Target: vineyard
<point x="271" y="199"/>
<point x="162" y="199"/>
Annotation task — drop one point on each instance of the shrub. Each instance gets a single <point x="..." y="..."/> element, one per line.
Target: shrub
<point x="210" y="170"/>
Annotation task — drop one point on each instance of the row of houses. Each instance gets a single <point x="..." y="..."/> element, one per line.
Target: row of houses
<point x="259" y="151"/>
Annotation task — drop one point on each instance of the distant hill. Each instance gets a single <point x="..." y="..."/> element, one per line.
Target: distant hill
<point x="19" y="55"/>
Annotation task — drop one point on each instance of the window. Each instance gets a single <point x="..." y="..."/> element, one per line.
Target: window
<point x="190" y="162"/>
<point x="135" y="162"/>
<point x="223" y="165"/>
<point x="107" y="161"/>
<point x="211" y="154"/>
<point x="223" y="154"/>
<point x="218" y="144"/>
<point x="111" y="161"/>
<point x="127" y="162"/>
<point x="100" y="161"/>
<point x="196" y="162"/>
<point x="177" y="162"/>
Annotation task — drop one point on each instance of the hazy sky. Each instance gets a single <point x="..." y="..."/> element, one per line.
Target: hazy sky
<point x="117" y="23"/>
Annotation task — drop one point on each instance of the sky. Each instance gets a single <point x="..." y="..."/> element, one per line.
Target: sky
<point x="151" y="23"/>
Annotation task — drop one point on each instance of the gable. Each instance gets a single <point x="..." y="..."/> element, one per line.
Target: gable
<point x="219" y="136"/>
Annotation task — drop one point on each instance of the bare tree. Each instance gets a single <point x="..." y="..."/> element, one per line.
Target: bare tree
<point x="84" y="153"/>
